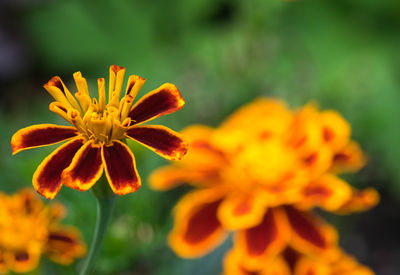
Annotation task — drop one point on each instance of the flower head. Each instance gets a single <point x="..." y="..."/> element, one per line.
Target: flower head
<point x="294" y="262"/>
<point x="260" y="174"/>
<point x="98" y="131"/>
<point x="28" y="229"/>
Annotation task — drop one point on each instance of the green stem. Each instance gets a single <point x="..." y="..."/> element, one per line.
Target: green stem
<point x="105" y="205"/>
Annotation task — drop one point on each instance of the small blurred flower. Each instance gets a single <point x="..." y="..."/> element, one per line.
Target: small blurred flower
<point x="99" y="128"/>
<point x="260" y="174"/>
<point x="291" y="261"/>
<point x="29" y="228"/>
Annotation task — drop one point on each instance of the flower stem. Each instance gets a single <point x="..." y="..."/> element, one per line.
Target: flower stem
<point x="105" y="205"/>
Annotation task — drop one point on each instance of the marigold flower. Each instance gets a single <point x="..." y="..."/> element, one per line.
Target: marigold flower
<point x="260" y="174"/>
<point x="98" y="131"/>
<point x="29" y="228"/>
<point x="291" y="261"/>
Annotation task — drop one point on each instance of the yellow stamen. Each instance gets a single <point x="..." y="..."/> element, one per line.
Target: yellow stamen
<point x="88" y="113"/>
<point x="60" y="109"/>
<point x="135" y="83"/>
<point x="126" y="107"/>
<point x="119" y="128"/>
<point x="81" y="83"/>
<point x="76" y="120"/>
<point x="84" y="100"/>
<point x="57" y="83"/>
<point x="100" y="126"/>
<point x="55" y="92"/>
<point x="102" y="94"/>
<point x="115" y="86"/>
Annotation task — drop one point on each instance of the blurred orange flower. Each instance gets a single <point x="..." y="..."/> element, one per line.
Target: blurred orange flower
<point x="29" y="228"/>
<point x="99" y="128"/>
<point x="293" y="262"/>
<point x="260" y="174"/>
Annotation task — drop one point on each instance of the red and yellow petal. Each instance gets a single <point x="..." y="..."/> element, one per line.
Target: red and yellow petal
<point x="307" y="266"/>
<point x="168" y="177"/>
<point x="347" y="265"/>
<point x="335" y="130"/>
<point x="47" y="177"/>
<point x="85" y="169"/>
<point x="311" y="235"/>
<point x="360" y="200"/>
<point x="64" y="245"/>
<point x="240" y="211"/>
<point x="273" y="266"/>
<point x="164" y="100"/>
<point x="349" y="159"/>
<point x="197" y="229"/>
<point x="160" y="139"/>
<point x="328" y="192"/>
<point x="40" y="135"/>
<point x="3" y="264"/>
<point x="265" y="240"/>
<point x="23" y="261"/>
<point x="317" y="161"/>
<point x="120" y="167"/>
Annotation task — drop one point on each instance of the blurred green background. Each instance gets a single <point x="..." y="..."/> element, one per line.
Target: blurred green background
<point x="221" y="54"/>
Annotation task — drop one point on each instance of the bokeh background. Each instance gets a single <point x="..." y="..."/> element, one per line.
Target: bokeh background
<point x="221" y="54"/>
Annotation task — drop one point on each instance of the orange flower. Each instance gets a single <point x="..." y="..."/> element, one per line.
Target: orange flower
<point x="291" y="261"/>
<point x="99" y="129"/>
<point x="28" y="229"/>
<point x="260" y="174"/>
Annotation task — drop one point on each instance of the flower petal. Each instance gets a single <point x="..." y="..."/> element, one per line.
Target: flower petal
<point x="310" y="234"/>
<point x="164" y="100"/>
<point x="160" y="139"/>
<point x="335" y="130"/>
<point x="273" y="266"/>
<point x="47" y="177"/>
<point x="350" y="159"/>
<point x="168" y="177"/>
<point x="240" y="211"/>
<point x="317" y="161"/>
<point x="120" y="167"/>
<point x="24" y="261"/>
<point x="307" y="266"/>
<point x="328" y="192"/>
<point x="85" y="169"/>
<point x="40" y="135"/>
<point x="360" y="200"/>
<point x="64" y="245"/>
<point x="264" y="240"/>
<point x="3" y="265"/>
<point x="197" y="229"/>
<point x="348" y="265"/>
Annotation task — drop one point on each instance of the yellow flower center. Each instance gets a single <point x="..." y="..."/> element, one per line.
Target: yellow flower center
<point x="95" y="119"/>
<point x="266" y="164"/>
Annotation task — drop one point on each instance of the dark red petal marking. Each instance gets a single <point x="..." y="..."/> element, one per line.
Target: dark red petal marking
<point x="317" y="191"/>
<point x="120" y="168"/>
<point x="202" y="223"/>
<point x="85" y="169"/>
<point x="243" y="208"/>
<point x="21" y="256"/>
<point x="56" y="81"/>
<point x="291" y="257"/>
<point x="47" y="178"/>
<point x="302" y="224"/>
<point x="162" y="101"/>
<point x="40" y="135"/>
<point x="62" y="238"/>
<point x="160" y="139"/>
<point x="260" y="237"/>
